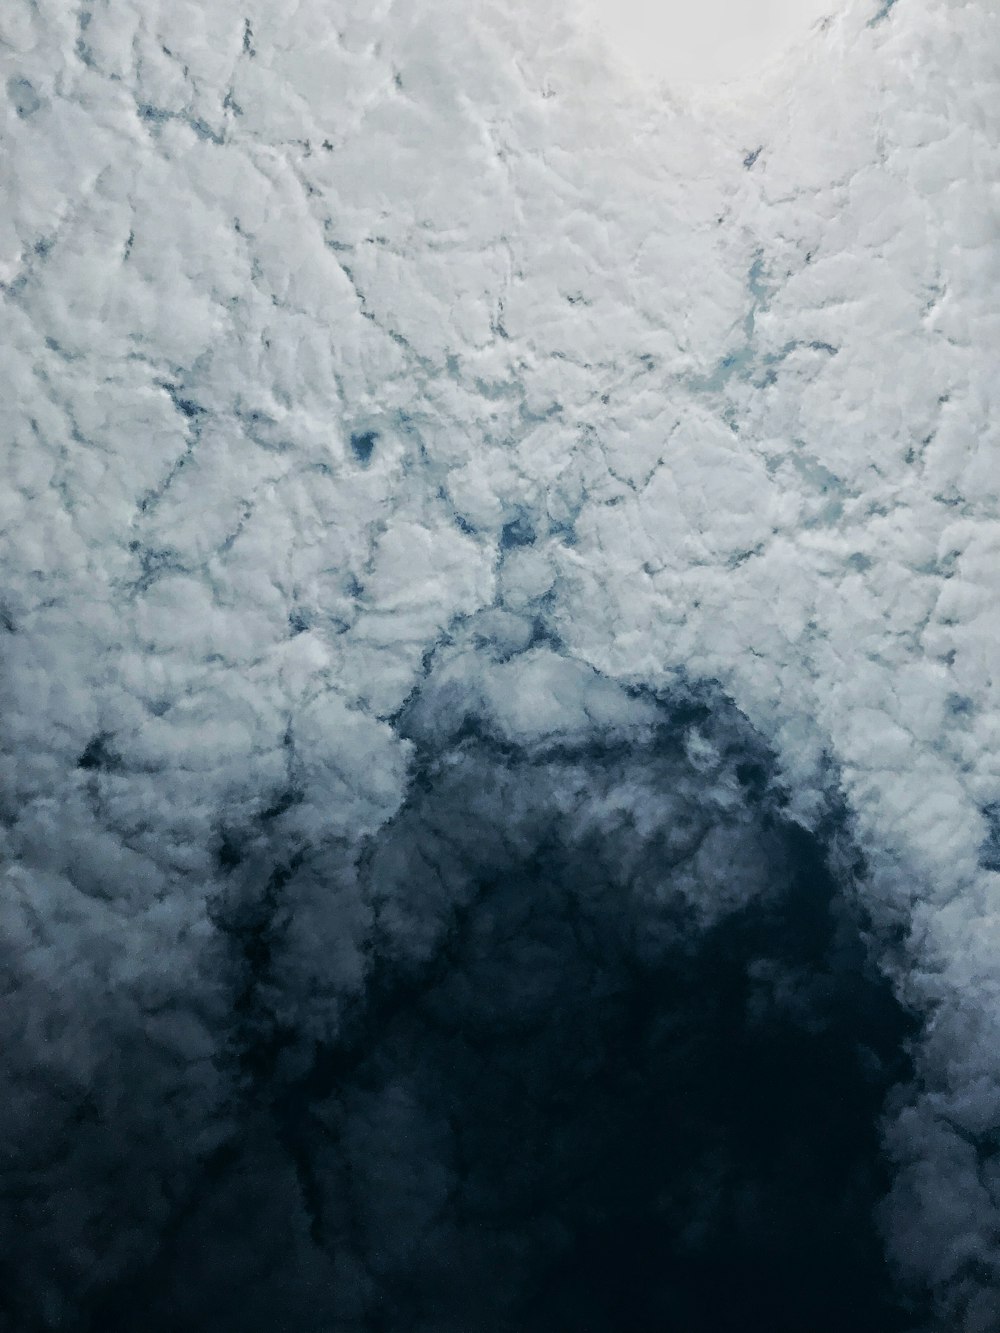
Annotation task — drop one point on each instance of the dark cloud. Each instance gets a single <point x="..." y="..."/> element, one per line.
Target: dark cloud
<point x="587" y="1036"/>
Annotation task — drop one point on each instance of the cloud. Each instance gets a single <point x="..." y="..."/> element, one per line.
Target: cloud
<point x="569" y="1025"/>
<point x="709" y="43"/>
<point x="653" y="399"/>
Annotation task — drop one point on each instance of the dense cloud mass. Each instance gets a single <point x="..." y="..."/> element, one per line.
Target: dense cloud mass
<point x="499" y="773"/>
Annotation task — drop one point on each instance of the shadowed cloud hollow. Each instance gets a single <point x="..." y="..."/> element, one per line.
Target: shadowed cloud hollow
<point x="615" y="1062"/>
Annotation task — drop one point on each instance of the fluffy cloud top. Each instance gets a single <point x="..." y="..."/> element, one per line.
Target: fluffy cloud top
<point x="337" y="336"/>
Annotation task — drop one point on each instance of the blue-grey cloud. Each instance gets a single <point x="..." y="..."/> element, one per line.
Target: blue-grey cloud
<point x="384" y="394"/>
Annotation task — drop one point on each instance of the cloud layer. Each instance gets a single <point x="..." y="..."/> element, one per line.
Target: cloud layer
<point x="368" y="377"/>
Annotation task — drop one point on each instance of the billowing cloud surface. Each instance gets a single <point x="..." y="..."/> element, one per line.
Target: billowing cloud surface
<point x="500" y="784"/>
<point x="712" y="41"/>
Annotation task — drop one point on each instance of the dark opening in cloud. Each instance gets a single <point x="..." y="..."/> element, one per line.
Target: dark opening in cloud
<point x="615" y="1060"/>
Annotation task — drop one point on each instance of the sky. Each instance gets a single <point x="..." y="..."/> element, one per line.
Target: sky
<point x="706" y="42"/>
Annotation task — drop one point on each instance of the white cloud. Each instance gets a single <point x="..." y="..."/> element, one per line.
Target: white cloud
<point x="708" y="42"/>
<point x="735" y="373"/>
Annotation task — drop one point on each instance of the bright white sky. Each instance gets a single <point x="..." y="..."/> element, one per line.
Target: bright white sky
<point x="706" y="41"/>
